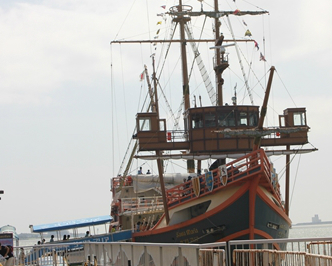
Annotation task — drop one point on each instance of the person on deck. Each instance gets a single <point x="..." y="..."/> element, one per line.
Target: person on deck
<point x="52" y="238"/>
<point x="148" y="172"/>
<point x="140" y="171"/>
<point x="87" y="234"/>
<point x="7" y="253"/>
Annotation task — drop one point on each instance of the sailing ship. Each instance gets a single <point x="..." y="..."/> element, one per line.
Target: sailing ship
<point x="238" y="196"/>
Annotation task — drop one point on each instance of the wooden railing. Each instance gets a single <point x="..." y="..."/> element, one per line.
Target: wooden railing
<point x="237" y="170"/>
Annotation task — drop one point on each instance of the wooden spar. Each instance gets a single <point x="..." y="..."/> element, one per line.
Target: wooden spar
<point x="257" y="140"/>
<point x="153" y="105"/>
<point x="163" y="41"/>
<point x="217" y="55"/>
<point x="185" y="77"/>
<point x="162" y="186"/>
<point x="287" y="181"/>
<point x="156" y="106"/>
<point x="158" y="153"/>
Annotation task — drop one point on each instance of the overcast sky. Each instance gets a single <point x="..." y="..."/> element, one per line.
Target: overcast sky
<point x="57" y="156"/>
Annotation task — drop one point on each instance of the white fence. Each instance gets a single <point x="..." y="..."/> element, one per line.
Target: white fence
<point x="306" y="251"/>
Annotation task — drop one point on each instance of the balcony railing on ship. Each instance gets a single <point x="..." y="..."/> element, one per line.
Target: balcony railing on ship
<point x="142" y="204"/>
<point x="237" y="170"/>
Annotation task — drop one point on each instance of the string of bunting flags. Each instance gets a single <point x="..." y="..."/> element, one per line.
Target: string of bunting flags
<point x="159" y="24"/>
<point x="162" y="15"/>
<point x="246" y="34"/>
<point x="249" y="34"/>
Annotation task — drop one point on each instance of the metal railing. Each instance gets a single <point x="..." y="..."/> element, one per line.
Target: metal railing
<point x="262" y="257"/>
<point x="303" y="251"/>
<point x="299" y="251"/>
<point x="122" y="254"/>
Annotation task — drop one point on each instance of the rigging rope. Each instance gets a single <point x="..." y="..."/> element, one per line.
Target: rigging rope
<point x="286" y="89"/>
<point x="240" y="61"/>
<point x="112" y="106"/>
<point x="116" y="35"/>
<point x="201" y="66"/>
<point x="297" y="169"/>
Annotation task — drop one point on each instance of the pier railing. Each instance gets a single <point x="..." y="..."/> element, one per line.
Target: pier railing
<point x="299" y="251"/>
<point x="305" y="251"/>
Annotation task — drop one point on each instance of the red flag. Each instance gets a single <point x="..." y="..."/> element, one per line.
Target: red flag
<point x="164" y="6"/>
<point x="141" y="77"/>
<point x="236" y="11"/>
<point x="256" y="45"/>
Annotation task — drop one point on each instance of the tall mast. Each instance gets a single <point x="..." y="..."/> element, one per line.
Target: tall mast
<point x="185" y="78"/>
<point x="219" y="79"/>
<point x="182" y="20"/>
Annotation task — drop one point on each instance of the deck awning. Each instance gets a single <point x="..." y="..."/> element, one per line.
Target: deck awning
<point x="71" y="224"/>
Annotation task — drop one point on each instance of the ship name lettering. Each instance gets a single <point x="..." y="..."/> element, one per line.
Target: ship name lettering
<point x="180" y="234"/>
<point x="192" y="231"/>
<point x="283" y="226"/>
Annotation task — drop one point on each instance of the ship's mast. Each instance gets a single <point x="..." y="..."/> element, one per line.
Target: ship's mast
<point x="182" y="20"/>
<point x="219" y="80"/>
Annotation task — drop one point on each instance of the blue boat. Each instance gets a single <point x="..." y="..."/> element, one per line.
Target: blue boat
<point x="73" y="246"/>
<point x="81" y="230"/>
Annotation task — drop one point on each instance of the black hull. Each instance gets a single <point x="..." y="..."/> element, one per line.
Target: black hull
<point x="229" y="223"/>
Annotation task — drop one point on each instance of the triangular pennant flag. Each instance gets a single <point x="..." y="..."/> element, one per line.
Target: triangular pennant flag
<point x="248" y="33"/>
<point x="158" y="32"/>
<point x="262" y="58"/>
<point x="141" y="77"/>
<point x="244" y="23"/>
<point x="256" y="45"/>
<point x="164" y="6"/>
<point x="236" y="11"/>
<point x="159" y="22"/>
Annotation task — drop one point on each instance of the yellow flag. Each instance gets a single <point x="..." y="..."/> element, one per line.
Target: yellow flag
<point x="248" y="33"/>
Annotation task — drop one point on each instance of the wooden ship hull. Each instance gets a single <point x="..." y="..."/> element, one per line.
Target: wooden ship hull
<point x="242" y="202"/>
